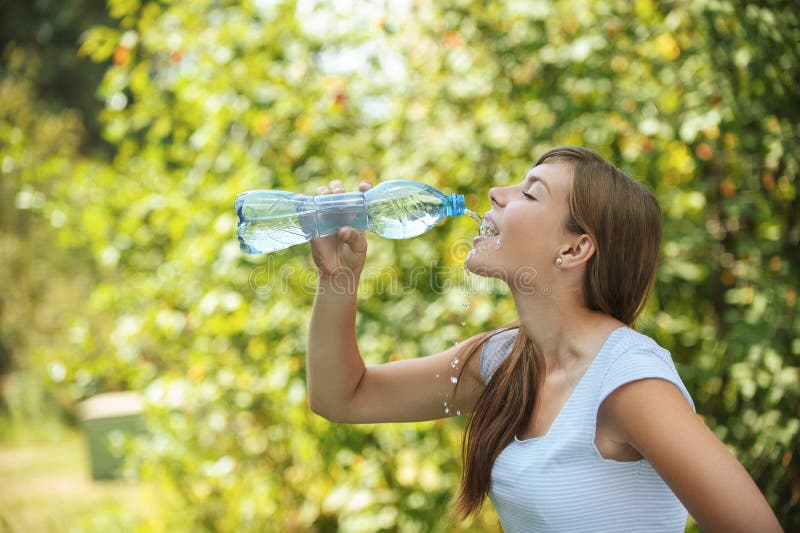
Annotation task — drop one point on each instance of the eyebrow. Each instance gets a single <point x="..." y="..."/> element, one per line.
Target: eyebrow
<point x="530" y="178"/>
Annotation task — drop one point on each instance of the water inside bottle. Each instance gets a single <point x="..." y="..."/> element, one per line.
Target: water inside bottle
<point x="262" y="236"/>
<point x="270" y="220"/>
<point x="274" y="220"/>
<point x="406" y="216"/>
<point x="329" y="223"/>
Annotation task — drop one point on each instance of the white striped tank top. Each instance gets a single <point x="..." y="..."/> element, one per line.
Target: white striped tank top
<point x="559" y="482"/>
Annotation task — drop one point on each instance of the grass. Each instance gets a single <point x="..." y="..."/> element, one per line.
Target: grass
<point x="47" y="487"/>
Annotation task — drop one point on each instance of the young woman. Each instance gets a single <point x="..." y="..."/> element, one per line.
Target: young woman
<point x="577" y="421"/>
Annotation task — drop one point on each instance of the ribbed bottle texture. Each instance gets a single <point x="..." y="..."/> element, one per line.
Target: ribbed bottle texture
<point x="396" y="209"/>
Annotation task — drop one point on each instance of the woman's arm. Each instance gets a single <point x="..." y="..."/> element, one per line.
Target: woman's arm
<point x="653" y="417"/>
<point x="340" y="387"/>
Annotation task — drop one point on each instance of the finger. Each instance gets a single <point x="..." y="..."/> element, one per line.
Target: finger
<point x="364" y="186"/>
<point x="323" y="190"/>
<point x="337" y="186"/>
<point x="354" y="239"/>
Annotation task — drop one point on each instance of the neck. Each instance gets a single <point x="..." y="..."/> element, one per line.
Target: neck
<point x="565" y="332"/>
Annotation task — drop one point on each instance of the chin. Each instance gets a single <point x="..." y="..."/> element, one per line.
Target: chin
<point x="477" y="263"/>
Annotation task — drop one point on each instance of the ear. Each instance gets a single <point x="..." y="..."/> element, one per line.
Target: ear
<point x="577" y="251"/>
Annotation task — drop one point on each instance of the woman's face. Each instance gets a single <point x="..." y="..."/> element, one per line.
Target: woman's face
<point x="527" y="226"/>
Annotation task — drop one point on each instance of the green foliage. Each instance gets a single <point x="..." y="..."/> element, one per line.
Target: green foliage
<point x="207" y="99"/>
<point x="38" y="146"/>
<point x="48" y="31"/>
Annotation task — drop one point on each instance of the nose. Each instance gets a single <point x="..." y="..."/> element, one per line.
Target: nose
<point x="496" y="196"/>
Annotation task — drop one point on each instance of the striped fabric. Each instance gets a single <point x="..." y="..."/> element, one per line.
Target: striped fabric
<point x="559" y="482"/>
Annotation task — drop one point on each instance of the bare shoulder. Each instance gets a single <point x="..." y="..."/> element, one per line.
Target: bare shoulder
<point x="654" y="418"/>
<point x="634" y="413"/>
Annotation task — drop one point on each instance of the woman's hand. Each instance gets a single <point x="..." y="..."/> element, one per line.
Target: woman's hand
<point x="340" y="257"/>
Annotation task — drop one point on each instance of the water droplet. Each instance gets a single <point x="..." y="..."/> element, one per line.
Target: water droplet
<point x="447" y="410"/>
<point x="467" y="305"/>
<point x="498" y="244"/>
<point x="458" y="412"/>
<point x="463" y="323"/>
<point x="468" y="276"/>
<point x="454" y="363"/>
<point x="453" y="380"/>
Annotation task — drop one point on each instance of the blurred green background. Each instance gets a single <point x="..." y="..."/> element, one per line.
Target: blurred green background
<point x="127" y="127"/>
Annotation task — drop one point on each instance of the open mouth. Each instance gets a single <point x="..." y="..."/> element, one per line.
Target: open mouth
<point x="488" y="229"/>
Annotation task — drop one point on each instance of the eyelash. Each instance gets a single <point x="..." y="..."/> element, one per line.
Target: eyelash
<point x="528" y="195"/>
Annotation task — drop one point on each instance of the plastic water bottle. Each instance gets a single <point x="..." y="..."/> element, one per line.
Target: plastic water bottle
<point x="396" y="209"/>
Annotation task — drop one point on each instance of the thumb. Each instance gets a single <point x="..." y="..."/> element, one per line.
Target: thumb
<point x="354" y="239"/>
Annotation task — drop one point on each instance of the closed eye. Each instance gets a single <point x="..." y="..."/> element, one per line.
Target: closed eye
<point x="528" y="195"/>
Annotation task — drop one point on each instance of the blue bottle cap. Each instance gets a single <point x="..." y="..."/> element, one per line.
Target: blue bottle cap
<point x="455" y="205"/>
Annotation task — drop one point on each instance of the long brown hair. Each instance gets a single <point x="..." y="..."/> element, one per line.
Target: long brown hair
<point x="624" y="220"/>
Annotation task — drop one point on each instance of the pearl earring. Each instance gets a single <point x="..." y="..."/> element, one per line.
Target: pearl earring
<point x="559" y="261"/>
